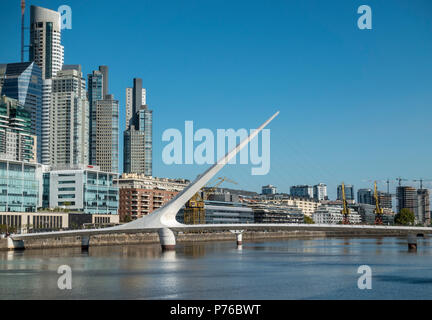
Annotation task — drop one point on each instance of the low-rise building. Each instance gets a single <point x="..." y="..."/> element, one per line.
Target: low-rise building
<point x="306" y="205"/>
<point x="20" y="186"/>
<point x="80" y="188"/>
<point x="332" y="214"/>
<point x="141" y="194"/>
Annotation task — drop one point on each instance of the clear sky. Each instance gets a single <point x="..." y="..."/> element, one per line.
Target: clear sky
<point x="355" y="104"/>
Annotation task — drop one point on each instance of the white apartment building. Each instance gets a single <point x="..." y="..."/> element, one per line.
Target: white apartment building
<point x="69" y="118"/>
<point x="320" y="192"/>
<point x="332" y="214"/>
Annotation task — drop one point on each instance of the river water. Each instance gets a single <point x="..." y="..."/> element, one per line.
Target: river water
<point x="289" y="269"/>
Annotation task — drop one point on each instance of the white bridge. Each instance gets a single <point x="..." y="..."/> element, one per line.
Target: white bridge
<point x="163" y="220"/>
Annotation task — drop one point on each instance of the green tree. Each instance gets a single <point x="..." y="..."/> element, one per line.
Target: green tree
<point x="405" y="217"/>
<point x="308" y="220"/>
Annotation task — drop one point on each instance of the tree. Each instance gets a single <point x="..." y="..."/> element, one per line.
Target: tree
<point x="308" y="220"/>
<point x="405" y="217"/>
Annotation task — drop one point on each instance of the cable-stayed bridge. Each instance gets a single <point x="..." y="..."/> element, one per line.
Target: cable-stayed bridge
<point x="163" y="220"/>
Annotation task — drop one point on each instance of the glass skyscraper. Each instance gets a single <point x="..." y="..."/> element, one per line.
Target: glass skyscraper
<point x="23" y="82"/>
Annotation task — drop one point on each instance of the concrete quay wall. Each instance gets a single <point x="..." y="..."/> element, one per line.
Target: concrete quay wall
<point x="151" y="238"/>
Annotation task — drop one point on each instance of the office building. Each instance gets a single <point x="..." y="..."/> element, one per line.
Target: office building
<point x="385" y="200"/>
<point x="45" y="41"/>
<point x="406" y="198"/>
<point x="103" y="122"/>
<point x="20" y="186"/>
<point x="46" y="121"/>
<point x="320" y="192"/>
<point x="138" y="136"/>
<point x="129" y="103"/>
<point x="303" y="191"/>
<point x="23" y="82"/>
<point x="423" y="213"/>
<point x="365" y="196"/>
<point x="268" y="189"/>
<point x="80" y="188"/>
<point x="16" y="139"/>
<point x="69" y="118"/>
<point x="349" y="193"/>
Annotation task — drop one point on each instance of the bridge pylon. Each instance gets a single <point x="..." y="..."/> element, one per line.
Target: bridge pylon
<point x="167" y="239"/>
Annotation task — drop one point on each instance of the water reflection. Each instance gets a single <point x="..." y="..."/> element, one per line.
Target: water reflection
<point x="291" y="269"/>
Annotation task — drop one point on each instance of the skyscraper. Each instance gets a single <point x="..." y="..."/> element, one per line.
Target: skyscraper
<point x="406" y="198"/>
<point x="69" y="118"/>
<point x="23" y="82"/>
<point x="47" y="52"/>
<point x="138" y="135"/>
<point x="16" y="139"/>
<point x="103" y="122"/>
<point x="45" y="41"/>
<point x="129" y="103"/>
<point x="95" y="93"/>
<point x="423" y="207"/>
<point x="365" y="196"/>
<point x="320" y="192"/>
<point x="349" y="192"/>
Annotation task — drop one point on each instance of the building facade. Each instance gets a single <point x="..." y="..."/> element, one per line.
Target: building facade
<point x="80" y="188"/>
<point x="69" y="118"/>
<point x="406" y="198"/>
<point x="423" y="213"/>
<point x="23" y="82"/>
<point x="16" y="139"/>
<point x="21" y="186"/>
<point x="320" y="192"/>
<point x="268" y="189"/>
<point x="303" y="191"/>
<point x="129" y="103"/>
<point x="138" y="143"/>
<point x="141" y="194"/>
<point x="349" y="193"/>
<point x="332" y="214"/>
<point x="45" y="41"/>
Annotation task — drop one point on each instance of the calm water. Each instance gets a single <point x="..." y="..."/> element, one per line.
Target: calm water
<point x="290" y="269"/>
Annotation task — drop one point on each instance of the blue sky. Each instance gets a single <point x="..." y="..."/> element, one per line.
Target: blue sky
<point x="355" y="104"/>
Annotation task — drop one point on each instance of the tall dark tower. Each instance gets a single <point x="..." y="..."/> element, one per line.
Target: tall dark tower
<point x="22" y="29"/>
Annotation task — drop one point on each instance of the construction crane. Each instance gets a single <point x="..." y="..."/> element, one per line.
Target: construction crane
<point x="400" y="179"/>
<point x="213" y="189"/>
<point x="194" y="212"/>
<point x="345" y="211"/>
<point x="378" y="210"/>
<point x="421" y="181"/>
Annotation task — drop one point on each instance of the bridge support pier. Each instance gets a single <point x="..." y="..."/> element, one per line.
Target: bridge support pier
<point x="85" y="243"/>
<point x="412" y="243"/>
<point x="15" y="244"/>
<point x="239" y="237"/>
<point x="167" y="239"/>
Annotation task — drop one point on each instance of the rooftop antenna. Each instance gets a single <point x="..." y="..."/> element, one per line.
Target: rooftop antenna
<point x="22" y="29"/>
